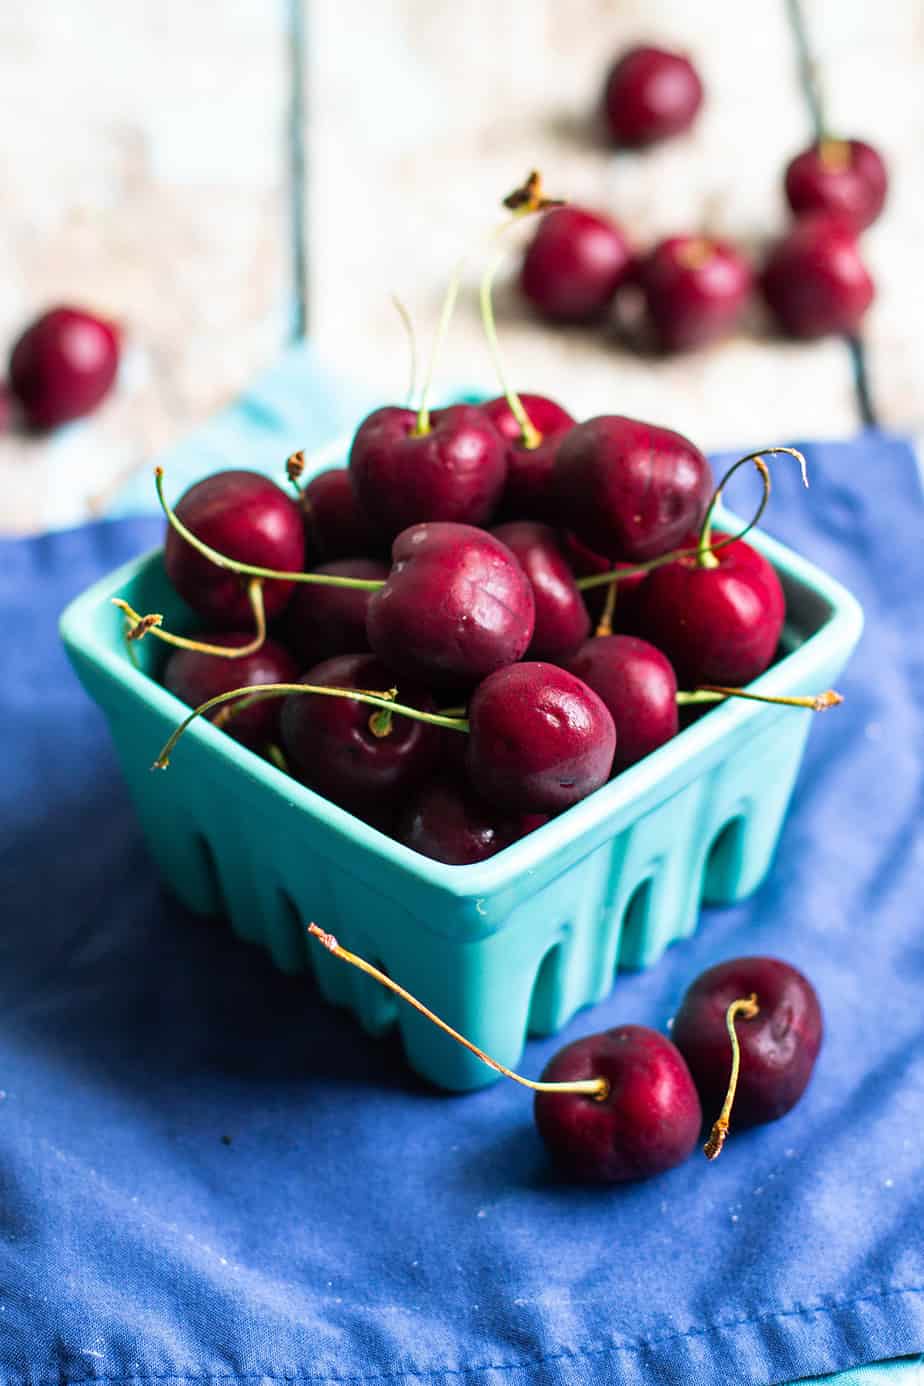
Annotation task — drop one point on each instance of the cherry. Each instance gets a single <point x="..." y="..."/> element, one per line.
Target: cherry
<point x="562" y="619"/>
<point x="63" y="365"/>
<point x="778" y="1045"/>
<point x="647" y="1122"/>
<point x="335" y="747"/>
<point x="815" y="281"/>
<point x="630" y="490"/>
<point x="649" y="95"/>
<point x="456" y="606"/>
<point x="845" y="177"/>
<point x="574" y="264"/>
<point x="195" y="677"/>
<point x="452" y="469"/>
<point x="639" y="688"/>
<point x="248" y="518"/>
<point x="530" y="464"/>
<point x="335" y="525"/>
<point x="695" y="289"/>
<point x="540" y="739"/>
<point x="446" y="820"/>
<point x="320" y="622"/>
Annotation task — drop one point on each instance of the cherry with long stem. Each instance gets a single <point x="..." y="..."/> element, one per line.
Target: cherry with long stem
<point x="747" y="1008"/>
<point x="598" y="1088"/>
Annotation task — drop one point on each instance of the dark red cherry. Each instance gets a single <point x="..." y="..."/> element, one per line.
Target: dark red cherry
<point x="649" y="95"/>
<point x="562" y="619"/>
<point x="335" y="525"/>
<point x="540" y="739"/>
<point x="639" y="688"/>
<point x="845" y="177"/>
<point x="528" y="493"/>
<point x="583" y="562"/>
<point x="63" y="366"/>
<point x="454" y="472"/>
<point x="456" y="606"/>
<point x="648" y="1122"/>
<point x="779" y="1045"/>
<point x="630" y="490"/>
<point x="719" y="625"/>
<point x="695" y="289"/>
<point x="195" y="677"/>
<point x="330" y="746"/>
<point x="321" y="622"/>
<point x="815" y="281"/>
<point x="244" y="516"/>
<point x="574" y="264"/>
<point x="446" y="820"/>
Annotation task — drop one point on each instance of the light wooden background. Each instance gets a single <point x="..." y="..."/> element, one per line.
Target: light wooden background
<point x="145" y="162"/>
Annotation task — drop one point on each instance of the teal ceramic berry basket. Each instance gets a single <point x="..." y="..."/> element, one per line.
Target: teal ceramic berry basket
<point x="511" y="946"/>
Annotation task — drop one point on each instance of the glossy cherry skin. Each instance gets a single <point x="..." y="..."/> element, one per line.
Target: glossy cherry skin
<point x="321" y="622"/>
<point x="245" y="516"/>
<point x="574" y="264"/>
<point x="335" y="525"/>
<point x="329" y="745"/>
<point x="695" y="290"/>
<point x="195" y="677"/>
<point x="447" y="821"/>
<point x="456" y="606"/>
<point x="562" y="619"/>
<point x="650" y="94"/>
<point x="63" y="366"/>
<point x="844" y="177"/>
<point x="815" y="281"/>
<point x="455" y="472"/>
<point x="778" y="1047"/>
<point x="528" y="492"/>
<point x="639" y="688"/>
<point x="540" y="740"/>
<point x="630" y="490"/>
<point x="649" y="1121"/>
<point x="716" y="625"/>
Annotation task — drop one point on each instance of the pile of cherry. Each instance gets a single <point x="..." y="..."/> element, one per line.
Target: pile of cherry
<point x="695" y="288"/>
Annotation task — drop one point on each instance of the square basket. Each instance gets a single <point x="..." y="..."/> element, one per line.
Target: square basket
<point x="510" y="946"/>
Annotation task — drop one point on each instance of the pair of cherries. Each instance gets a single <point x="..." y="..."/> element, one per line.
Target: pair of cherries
<point x="61" y="367"/>
<point x="627" y="1103"/>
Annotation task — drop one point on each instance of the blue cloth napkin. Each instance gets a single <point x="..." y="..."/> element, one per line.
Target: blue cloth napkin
<point x="205" y="1173"/>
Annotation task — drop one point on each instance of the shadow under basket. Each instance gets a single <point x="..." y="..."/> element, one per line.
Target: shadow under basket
<point x="508" y="947"/>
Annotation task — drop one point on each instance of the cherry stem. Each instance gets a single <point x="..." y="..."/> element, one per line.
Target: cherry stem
<point x="449" y="305"/>
<point x="605" y="624"/>
<point x="747" y="1008"/>
<point x="405" y="317"/>
<point x="138" y="626"/>
<point x="250" y="695"/>
<point x="705" y="555"/>
<point x="716" y="693"/>
<point x="597" y="1088"/>
<point x="833" y="154"/>
<point x="620" y="574"/>
<point x="233" y="565"/>
<point x="295" y="465"/>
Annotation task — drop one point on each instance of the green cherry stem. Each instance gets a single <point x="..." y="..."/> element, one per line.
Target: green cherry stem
<point x="705" y="555"/>
<point x="598" y="1088"/>
<point x="411" y="335"/>
<point x="715" y="693"/>
<point x="249" y="695"/>
<point x="137" y="626"/>
<point x="449" y="305"/>
<point x="233" y="565"/>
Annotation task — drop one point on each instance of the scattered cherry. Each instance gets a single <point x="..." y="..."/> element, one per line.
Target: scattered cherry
<point x="844" y="177"/>
<point x="528" y="492"/>
<point x="779" y="1045"/>
<point x="574" y="264"/>
<point x="454" y="469"/>
<point x="196" y="677"/>
<point x="650" y="94"/>
<point x="562" y="619"/>
<point x="540" y="739"/>
<point x="63" y="366"/>
<point x="448" y="821"/>
<point x="335" y="525"/>
<point x="320" y="622"/>
<point x="630" y="490"/>
<point x="639" y="688"/>
<point x="815" y="281"/>
<point x="647" y="1122"/>
<point x="456" y="606"/>
<point x="695" y="289"/>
